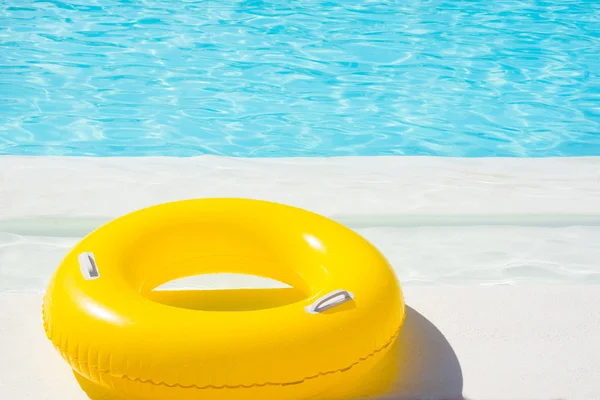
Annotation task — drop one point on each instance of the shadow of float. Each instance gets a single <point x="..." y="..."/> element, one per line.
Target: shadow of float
<point x="421" y="363"/>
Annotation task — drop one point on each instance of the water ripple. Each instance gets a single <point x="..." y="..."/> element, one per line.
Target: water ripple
<point x="312" y="78"/>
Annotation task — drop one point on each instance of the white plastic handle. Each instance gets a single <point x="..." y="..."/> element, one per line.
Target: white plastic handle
<point x="330" y="300"/>
<point x="88" y="266"/>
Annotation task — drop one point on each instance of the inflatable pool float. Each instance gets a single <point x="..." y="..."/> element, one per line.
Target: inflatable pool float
<point x="100" y="313"/>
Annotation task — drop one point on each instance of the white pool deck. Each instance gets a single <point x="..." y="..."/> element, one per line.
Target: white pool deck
<point x="499" y="258"/>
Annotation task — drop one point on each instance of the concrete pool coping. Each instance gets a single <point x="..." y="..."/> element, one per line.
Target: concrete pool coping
<point x="386" y="190"/>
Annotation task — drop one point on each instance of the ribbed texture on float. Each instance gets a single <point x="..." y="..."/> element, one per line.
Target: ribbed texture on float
<point x="108" y="369"/>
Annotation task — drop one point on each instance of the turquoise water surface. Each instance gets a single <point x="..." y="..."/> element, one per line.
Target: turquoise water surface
<point x="300" y="78"/>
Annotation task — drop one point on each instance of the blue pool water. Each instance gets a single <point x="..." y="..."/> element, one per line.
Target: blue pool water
<point x="300" y="78"/>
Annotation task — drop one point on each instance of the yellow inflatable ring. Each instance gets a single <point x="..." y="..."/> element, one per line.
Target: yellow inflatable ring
<point x="121" y="344"/>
